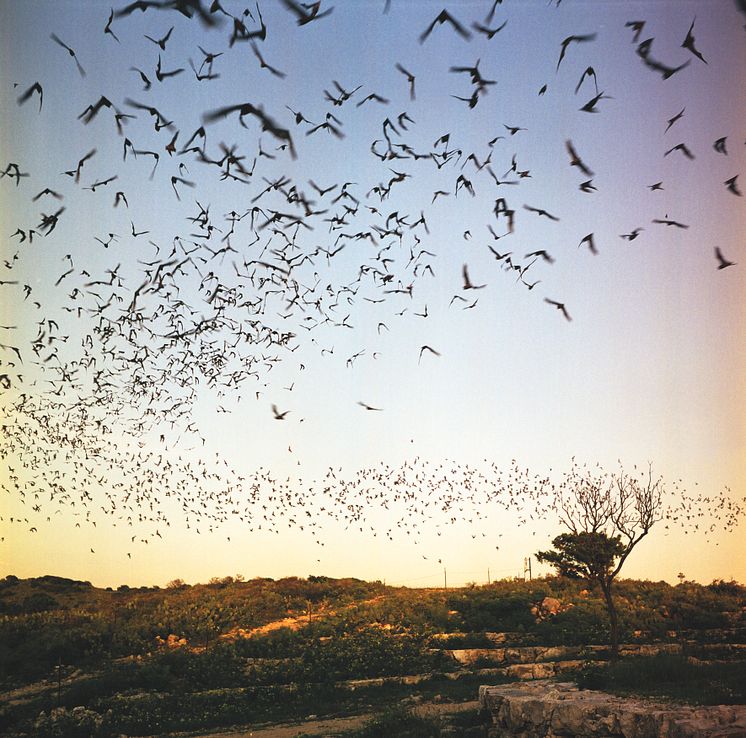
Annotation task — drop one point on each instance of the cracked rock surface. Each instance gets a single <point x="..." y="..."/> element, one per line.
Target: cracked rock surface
<point x="546" y="709"/>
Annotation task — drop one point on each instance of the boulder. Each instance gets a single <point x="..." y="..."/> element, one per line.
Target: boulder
<point x="469" y="656"/>
<point x="548" y="607"/>
<point x="551" y="605"/>
<point x="546" y="709"/>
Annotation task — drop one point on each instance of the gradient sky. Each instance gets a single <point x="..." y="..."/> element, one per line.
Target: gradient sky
<point x="650" y="369"/>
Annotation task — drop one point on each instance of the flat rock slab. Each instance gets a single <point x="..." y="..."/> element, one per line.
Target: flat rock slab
<point x="547" y="709"/>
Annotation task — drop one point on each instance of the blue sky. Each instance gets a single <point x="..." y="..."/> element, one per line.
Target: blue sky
<point x="649" y="369"/>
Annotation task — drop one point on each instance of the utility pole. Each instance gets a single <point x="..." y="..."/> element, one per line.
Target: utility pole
<point x="488" y="575"/>
<point x="527" y="568"/>
<point x="445" y="578"/>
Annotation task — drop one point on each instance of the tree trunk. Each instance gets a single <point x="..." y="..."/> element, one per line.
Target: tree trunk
<point x="613" y="620"/>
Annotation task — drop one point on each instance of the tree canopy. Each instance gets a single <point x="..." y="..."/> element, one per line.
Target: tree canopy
<point x="584" y="555"/>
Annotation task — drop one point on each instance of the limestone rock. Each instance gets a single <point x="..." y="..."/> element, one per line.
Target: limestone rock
<point x="548" y="607"/>
<point x="545" y="709"/>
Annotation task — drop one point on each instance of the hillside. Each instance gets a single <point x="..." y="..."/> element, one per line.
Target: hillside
<point x="223" y="653"/>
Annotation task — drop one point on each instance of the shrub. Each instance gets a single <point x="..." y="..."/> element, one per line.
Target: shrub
<point x="397" y="721"/>
<point x="583" y="624"/>
<point x="39" y="602"/>
<point x="490" y="610"/>
<point x="728" y="589"/>
<point x="670" y="675"/>
<point x="219" y="666"/>
<point x="78" y="722"/>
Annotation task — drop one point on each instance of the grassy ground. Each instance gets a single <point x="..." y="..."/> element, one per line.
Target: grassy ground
<point x="670" y="676"/>
<point x="397" y="721"/>
<point x="148" y="713"/>
<point x="405" y="721"/>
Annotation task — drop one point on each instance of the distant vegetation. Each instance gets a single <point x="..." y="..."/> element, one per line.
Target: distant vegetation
<point x="143" y="660"/>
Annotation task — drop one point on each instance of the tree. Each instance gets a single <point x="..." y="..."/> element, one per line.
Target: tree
<point x="606" y="516"/>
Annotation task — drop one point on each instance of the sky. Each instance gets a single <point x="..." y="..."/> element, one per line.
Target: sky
<point x="189" y="351"/>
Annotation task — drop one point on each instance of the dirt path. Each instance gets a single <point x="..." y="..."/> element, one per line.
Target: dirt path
<point x="292" y="622"/>
<point x="334" y="726"/>
<point x="328" y="727"/>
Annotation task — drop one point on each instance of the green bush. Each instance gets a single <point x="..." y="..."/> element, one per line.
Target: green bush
<point x="586" y="623"/>
<point x="491" y="610"/>
<point x="669" y="675"/>
<point x="78" y="722"/>
<point x="371" y="652"/>
<point x="39" y="602"/>
<point x="280" y="643"/>
<point x="218" y="666"/>
<point x="730" y="589"/>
